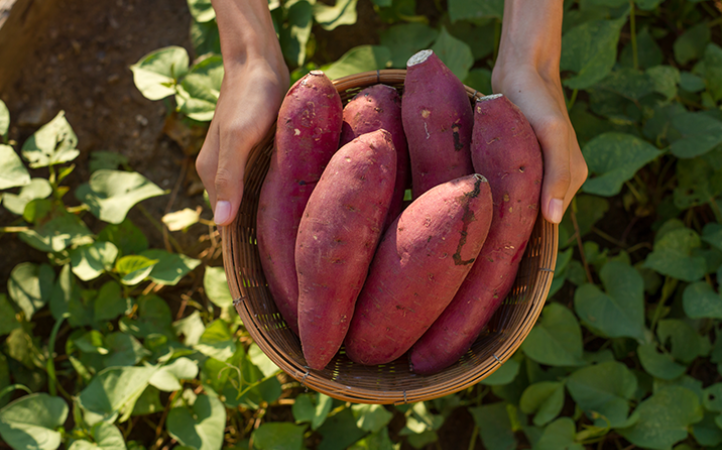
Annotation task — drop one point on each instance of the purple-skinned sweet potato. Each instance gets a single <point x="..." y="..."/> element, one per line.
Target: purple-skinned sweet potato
<point x="379" y="107"/>
<point x="307" y="135"/>
<point x="337" y="237"/>
<point x="506" y="151"/>
<point x="438" y="121"/>
<point x="421" y="261"/>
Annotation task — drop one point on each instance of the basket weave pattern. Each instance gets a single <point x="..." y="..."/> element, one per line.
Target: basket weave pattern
<point x="387" y="383"/>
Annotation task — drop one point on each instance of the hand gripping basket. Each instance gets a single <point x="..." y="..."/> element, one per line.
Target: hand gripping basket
<point x="387" y="383"/>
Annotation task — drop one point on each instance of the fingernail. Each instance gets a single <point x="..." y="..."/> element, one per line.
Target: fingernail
<point x="223" y="212"/>
<point x="556" y="210"/>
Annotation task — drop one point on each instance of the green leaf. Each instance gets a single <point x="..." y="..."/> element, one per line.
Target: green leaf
<point x="12" y="171"/>
<point x="545" y="398"/>
<point x="329" y="17"/>
<point x="134" y="268"/>
<point x="660" y="365"/>
<point x="168" y="377"/>
<point x="31" y="422"/>
<point x="260" y="360"/>
<point x="126" y="236"/>
<point x="171" y="267"/>
<point x="110" y="303"/>
<point x="691" y="82"/>
<point x="672" y="256"/>
<point x="713" y="70"/>
<point x="100" y="159"/>
<point x="154" y="317"/>
<point x="555" y="340"/>
<point x="404" y="40"/>
<point x="54" y="143"/>
<point x="691" y="44"/>
<point x="700" y="134"/>
<point x="105" y="436"/>
<point x="590" y="50"/>
<point x="124" y="350"/>
<point x="216" y="287"/>
<point x="4" y="119"/>
<point x="114" y="391"/>
<point x="495" y="426"/>
<point x="712" y="398"/>
<point x="201" y="10"/>
<point x="148" y="402"/>
<point x="685" y="341"/>
<point x="90" y="261"/>
<point x="371" y="418"/>
<point x="37" y="188"/>
<point x="648" y="52"/>
<point x="479" y="79"/>
<point x="201" y="426"/>
<point x="66" y="299"/>
<point x="614" y="158"/>
<point x="323" y="407"/>
<point x="31" y="286"/>
<point x="505" y="374"/>
<point x="278" y="436"/>
<point x="181" y="220"/>
<point x="655" y="430"/>
<point x="665" y="80"/>
<point x="295" y="33"/>
<point x="605" y="388"/>
<point x="701" y="301"/>
<point x="475" y="9"/>
<point x="8" y="320"/>
<point x="619" y="312"/>
<point x="455" y="54"/>
<point x="191" y="327"/>
<point x="217" y="341"/>
<point x="303" y="409"/>
<point x="379" y="440"/>
<point x="157" y="73"/>
<point x="56" y="234"/>
<point x="199" y="91"/>
<point x="359" y="59"/>
<point x="339" y="431"/>
<point x="629" y="83"/>
<point x="110" y="193"/>
<point x="205" y="38"/>
<point x="706" y="432"/>
<point x="559" y="435"/>
<point x="698" y="183"/>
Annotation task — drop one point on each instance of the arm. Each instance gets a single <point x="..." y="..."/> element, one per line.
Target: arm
<point x="527" y="72"/>
<point x="254" y="83"/>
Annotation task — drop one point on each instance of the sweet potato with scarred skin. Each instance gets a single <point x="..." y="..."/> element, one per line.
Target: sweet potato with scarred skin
<point x="337" y="238"/>
<point x="506" y="151"/>
<point x="307" y="135"/>
<point x="419" y="265"/>
<point x="438" y="121"/>
<point x="374" y="108"/>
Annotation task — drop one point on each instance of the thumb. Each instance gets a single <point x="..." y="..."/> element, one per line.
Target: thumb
<point x="555" y="142"/>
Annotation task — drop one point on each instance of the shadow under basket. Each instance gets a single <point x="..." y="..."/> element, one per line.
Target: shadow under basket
<point x="386" y="383"/>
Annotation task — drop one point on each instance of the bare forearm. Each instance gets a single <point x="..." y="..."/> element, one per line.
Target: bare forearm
<point x="246" y="31"/>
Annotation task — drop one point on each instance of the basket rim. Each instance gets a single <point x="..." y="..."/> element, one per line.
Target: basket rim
<point x="315" y="379"/>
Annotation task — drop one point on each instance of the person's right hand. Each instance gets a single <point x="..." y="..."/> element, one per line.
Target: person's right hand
<point x="251" y="94"/>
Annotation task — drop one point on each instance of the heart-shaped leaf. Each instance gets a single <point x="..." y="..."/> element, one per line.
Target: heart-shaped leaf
<point x="110" y="303"/>
<point x="54" y="143"/>
<point x="105" y="436"/>
<point x="620" y="311"/>
<point x="701" y="301"/>
<point x="707" y="433"/>
<point x="559" y="435"/>
<point x="114" y="391"/>
<point x="31" y="286"/>
<point x="371" y="418"/>
<point x="700" y="134"/>
<point x="684" y="340"/>
<point x="404" y="40"/>
<point x="673" y="255"/>
<point x="494" y="426"/>
<point x="31" y="422"/>
<point x="201" y="426"/>
<point x="123" y="350"/>
<point x="111" y="193"/>
<point x="12" y="171"/>
<point x="660" y="365"/>
<point x="294" y="37"/>
<point x="614" y="158"/>
<point x="216" y="287"/>
<point x="90" y="261"/>
<point x="698" y="183"/>
<point x="157" y="73"/>
<point x="134" y="268"/>
<point x="359" y="59"/>
<point x="605" y="388"/>
<point x="556" y="339"/>
<point x="278" y="436"/>
<point x="181" y="220"/>
<point x="691" y="44"/>
<point x="154" y="317"/>
<point x="545" y="398"/>
<point x="199" y="91"/>
<point x="58" y="233"/>
<point x="171" y="267"/>
<point x="455" y="54"/>
<point x="217" y="341"/>
<point x="329" y="17"/>
<point x="201" y="10"/>
<point x="168" y="377"/>
<point x="38" y="188"/>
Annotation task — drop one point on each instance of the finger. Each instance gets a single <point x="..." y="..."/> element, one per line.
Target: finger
<point x="232" y="157"/>
<point x="579" y="171"/>
<point x="554" y="138"/>
<point x="207" y="161"/>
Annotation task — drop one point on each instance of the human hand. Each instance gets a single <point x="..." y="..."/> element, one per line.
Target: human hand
<point x="247" y="107"/>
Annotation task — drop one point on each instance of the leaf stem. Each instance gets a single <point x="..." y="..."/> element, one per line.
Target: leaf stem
<point x="633" y="31"/>
<point x="13" y="229"/>
<point x="50" y="366"/>
<point x="573" y="215"/>
<point x="570" y="103"/>
<point x="474" y="435"/>
<point x="159" y="227"/>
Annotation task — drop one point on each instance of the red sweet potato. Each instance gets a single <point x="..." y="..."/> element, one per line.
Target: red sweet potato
<point x="506" y="151"/>
<point x="379" y="107"/>
<point x="337" y="238"/>
<point x="307" y="135"/>
<point x="438" y="121"/>
<point x="418" y="267"/>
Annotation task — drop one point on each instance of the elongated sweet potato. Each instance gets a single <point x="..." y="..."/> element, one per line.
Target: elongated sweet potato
<point x="379" y="107"/>
<point x="438" y="120"/>
<point x="418" y="267"/>
<point x="307" y="135"/>
<point x="337" y="238"/>
<point x="506" y="151"/>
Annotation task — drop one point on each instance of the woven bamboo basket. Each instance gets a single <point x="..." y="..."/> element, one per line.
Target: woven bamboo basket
<point x="391" y="383"/>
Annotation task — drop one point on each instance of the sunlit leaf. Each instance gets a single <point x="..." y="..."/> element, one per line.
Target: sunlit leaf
<point x="31" y="286"/>
<point x="113" y="392"/>
<point x="217" y="341"/>
<point x="124" y="350"/>
<point x="200" y="426"/>
<point x="216" y="287"/>
<point x="199" y="91"/>
<point x="171" y="267"/>
<point x="38" y="188"/>
<point x="181" y="220"/>
<point x="455" y="54"/>
<point x="295" y="33"/>
<point x="201" y="10"/>
<point x="359" y="59"/>
<point x="371" y="417"/>
<point x="31" y="422"/>
<point x="4" y="119"/>
<point x="54" y="143"/>
<point x="168" y="377"/>
<point x="278" y="436"/>
<point x="134" y="268"/>
<point x="157" y="73"/>
<point x="90" y="261"/>
<point x="403" y="40"/>
<point x="12" y="171"/>
<point x="329" y="17"/>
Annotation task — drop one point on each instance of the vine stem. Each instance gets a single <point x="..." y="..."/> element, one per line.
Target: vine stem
<point x="573" y="215"/>
<point x="572" y="100"/>
<point x="633" y="30"/>
<point x="50" y="366"/>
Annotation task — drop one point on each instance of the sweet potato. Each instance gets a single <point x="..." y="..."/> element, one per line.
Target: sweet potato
<point x="438" y="120"/>
<point x="506" y="151"/>
<point x="307" y="135"/>
<point x="379" y="107"/>
<point x="337" y="238"/>
<point x="418" y="267"/>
